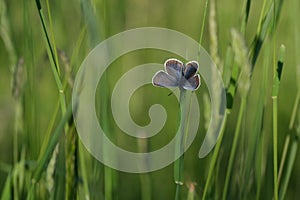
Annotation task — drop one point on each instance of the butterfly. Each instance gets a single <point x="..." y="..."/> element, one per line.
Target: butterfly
<point x="177" y="74"/>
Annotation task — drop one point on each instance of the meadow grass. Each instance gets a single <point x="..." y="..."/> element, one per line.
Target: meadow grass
<point x="256" y="153"/>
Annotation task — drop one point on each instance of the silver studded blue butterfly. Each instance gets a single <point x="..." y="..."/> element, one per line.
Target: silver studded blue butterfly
<point x="177" y="74"/>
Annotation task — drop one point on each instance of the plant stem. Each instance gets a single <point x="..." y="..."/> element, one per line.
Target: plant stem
<point x="291" y="161"/>
<point x="84" y="173"/>
<point x="53" y="61"/>
<point x="234" y="145"/>
<point x="145" y="186"/>
<point x="215" y="156"/>
<point x="275" y="162"/>
<point x="203" y="22"/>
<point x="291" y="137"/>
<point x="276" y="83"/>
<point x="179" y="149"/>
<point x="288" y="137"/>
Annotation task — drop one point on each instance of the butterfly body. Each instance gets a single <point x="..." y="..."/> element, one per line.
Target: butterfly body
<point x="177" y="74"/>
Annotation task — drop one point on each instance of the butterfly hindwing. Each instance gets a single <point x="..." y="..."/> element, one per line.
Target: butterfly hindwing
<point x="192" y="83"/>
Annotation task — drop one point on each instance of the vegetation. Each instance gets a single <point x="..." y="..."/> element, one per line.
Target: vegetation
<point x="256" y="46"/>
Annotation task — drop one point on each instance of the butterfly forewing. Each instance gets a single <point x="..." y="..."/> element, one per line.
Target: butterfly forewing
<point x="163" y="79"/>
<point x="190" y="69"/>
<point x="174" y="68"/>
<point x="192" y="83"/>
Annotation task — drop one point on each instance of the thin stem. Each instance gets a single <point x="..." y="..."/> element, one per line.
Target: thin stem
<point x="275" y="91"/>
<point x="288" y="137"/>
<point x="108" y="189"/>
<point x="177" y="194"/>
<point x="291" y="161"/>
<point x="84" y="173"/>
<point x="53" y="62"/>
<point x="145" y="186"/>
<point x="260" y="170"/>
<point x="275" y="162"/>
<point x="215" y="156"/>
<point x="145" y="179"/>
<point x="203" y="21"/>
<point x="179" y="149"/>
<point x="52" y="37"/>
<point x="274" y="99"/>
<point x="234" y="146"/>
<point x="283" y="157"/>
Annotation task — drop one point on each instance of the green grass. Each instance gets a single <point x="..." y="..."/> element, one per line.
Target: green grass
<point x="42" y="44"/>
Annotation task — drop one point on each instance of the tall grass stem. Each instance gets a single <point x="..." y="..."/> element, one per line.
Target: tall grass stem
<point x="275" y="91"/>
<point x="215" y="156"/>
<point x="233" y="148"/>
<point x="179" y="149"/>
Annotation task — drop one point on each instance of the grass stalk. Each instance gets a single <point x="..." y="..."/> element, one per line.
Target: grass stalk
<point x="70" y="162"/>
<point x="53" y="60"/>
<point x="290" y="164"/>
<point x="215" y="156"/>
<point x="233" y="148"/>
<point x="259" y="166"/>
<point x="52" y="38"/>
<point x="283" y="157"/>
<point x="203" y="21"/>
<point x="83" y="170"/>
<point x="178" y="165"/>
<point x="288" y="137"/>
<point x="275" y="91"/>
<point x="145" y="178"/>
<point x="108" y="180"/>
<point x="275" y="162"/>
<point x="145" y="187"/>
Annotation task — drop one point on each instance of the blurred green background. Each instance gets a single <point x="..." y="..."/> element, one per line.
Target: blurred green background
<point x="80" y="25"/>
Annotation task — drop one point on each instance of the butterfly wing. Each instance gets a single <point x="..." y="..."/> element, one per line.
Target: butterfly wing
<point x="162" y="79"/>
<point x="190" y="69"/>
<point x="192" y="83"/>
<point x="174" y="68"/>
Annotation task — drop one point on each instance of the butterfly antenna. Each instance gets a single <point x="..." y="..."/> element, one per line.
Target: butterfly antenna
<point x="172" y="92"/>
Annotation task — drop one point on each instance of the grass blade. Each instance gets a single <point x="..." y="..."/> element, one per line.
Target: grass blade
<point x="268" y="25"/>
